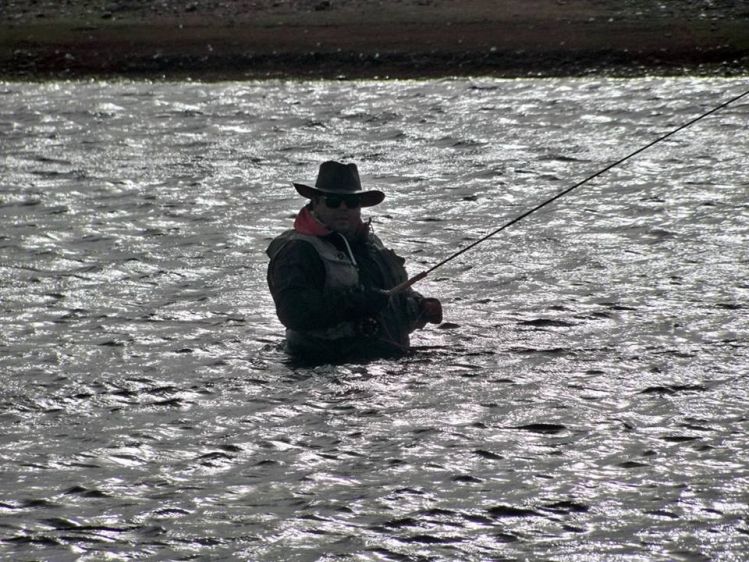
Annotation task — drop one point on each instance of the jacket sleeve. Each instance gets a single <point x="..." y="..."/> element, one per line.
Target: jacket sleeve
<point x="409" y="301"/>
<point x="412" y="304"/>
<point x="296" y="278"/>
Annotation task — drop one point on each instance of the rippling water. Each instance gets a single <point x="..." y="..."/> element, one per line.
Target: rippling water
<point x="584" y="400"/>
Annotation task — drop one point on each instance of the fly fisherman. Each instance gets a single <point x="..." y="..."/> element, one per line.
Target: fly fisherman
<point x="329" y="276"/>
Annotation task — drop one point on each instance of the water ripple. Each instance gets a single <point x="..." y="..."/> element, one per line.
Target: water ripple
<point x="585" y="397"/>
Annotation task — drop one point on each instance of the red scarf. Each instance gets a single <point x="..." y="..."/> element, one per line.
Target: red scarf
<point x="306" y="223"/>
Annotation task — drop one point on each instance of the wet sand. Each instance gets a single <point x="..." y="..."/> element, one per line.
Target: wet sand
<point x="370" y="38"/>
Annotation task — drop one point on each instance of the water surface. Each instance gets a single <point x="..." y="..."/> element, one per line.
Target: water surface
<point x="585" y="399"/>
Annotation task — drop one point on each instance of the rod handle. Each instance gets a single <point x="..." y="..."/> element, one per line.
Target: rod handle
<point x="406" y="284"/>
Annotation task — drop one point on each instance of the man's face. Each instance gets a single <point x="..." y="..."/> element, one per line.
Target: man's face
<point x="334" y="212"/>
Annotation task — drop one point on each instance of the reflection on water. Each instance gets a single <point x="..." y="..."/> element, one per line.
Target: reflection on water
<point x="584" y="399"/>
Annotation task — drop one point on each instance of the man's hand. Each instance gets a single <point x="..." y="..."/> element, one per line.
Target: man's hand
<point x="431" y="310"/>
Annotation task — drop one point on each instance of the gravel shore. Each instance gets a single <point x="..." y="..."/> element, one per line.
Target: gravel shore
<point x="219" y="39"/>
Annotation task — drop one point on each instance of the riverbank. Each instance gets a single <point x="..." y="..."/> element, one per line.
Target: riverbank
<point x="369" y="38"/>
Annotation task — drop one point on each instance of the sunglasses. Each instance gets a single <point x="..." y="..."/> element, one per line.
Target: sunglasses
<point x="334" y="201"/>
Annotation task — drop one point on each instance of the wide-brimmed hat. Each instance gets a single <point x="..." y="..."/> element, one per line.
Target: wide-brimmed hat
<point x="335" y="178"/>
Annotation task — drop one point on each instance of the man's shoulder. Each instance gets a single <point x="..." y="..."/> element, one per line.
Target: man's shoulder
<point x="292" y="242"/>
<point x="387" y="253"/>
<point x="373" y="240"/>
<point x="278" y="243"/>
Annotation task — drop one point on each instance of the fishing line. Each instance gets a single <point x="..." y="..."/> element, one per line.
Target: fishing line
<point x="423" y="274"/>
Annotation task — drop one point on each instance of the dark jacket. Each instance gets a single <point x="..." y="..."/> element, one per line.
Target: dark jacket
<point x="328" y="293"/>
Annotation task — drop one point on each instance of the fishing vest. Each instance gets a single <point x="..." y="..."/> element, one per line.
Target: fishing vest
<point x="340" y="273"/>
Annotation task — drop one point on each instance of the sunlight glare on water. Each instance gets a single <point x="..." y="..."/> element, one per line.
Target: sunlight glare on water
<point x="585" y="398"/>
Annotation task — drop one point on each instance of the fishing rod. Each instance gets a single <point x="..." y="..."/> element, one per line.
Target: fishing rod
<point x="419" y="276"/>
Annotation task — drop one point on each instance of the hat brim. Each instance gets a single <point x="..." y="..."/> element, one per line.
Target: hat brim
<point x="368" y="198"/>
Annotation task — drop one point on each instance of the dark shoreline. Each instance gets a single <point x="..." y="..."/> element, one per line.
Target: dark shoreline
<point x="566" y="38"/>
<point x="415" y="65"/>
